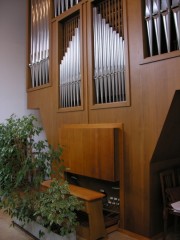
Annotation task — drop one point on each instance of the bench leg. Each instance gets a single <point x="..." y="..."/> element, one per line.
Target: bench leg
<point x="96" y="220"/>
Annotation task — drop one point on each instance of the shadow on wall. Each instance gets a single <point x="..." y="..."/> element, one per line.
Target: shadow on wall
<point x="168" y="145"/>
<point x="166" y="156"/>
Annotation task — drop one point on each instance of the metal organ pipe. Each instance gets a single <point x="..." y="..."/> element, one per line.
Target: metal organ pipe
<point x="157" y="23"/>
<point x="159" y="19"/>
<point x="109" y="61"/>
<point x="176" y="13"/>
<point x="166" y="15"/>
<point x="39" y="48"/>
<point x="96" y="53"/>
<point x="149" y="23"/>
<point x="69" y="72"/>
<point x="63" y="5"/>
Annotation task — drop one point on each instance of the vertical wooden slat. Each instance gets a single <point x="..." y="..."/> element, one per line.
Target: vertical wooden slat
<point x="69" y="30"/>
<point x="112" y="12"/>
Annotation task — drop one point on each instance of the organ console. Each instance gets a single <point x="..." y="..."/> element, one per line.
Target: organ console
<point x="93" y="155"/>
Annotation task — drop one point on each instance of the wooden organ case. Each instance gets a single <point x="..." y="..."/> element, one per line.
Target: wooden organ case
<point x="93" y="155"/>
<point x="96" y="99"/>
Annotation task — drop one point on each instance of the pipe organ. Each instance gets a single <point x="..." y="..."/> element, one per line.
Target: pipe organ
<point x="39" y="47"/>
<point x="163" y="25"/>
<point x="88" y="83"/>
<point x="106" y="62"/>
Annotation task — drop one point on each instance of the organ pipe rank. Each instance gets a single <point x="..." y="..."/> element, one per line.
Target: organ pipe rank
<point x="39" y="50"/>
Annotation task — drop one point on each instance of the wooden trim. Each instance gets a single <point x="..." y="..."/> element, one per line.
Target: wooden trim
<point x="90" y="50"/>
<point x="126" y="40"/>
<point x="95" y="125"/>
<point x="134" y="235"/>
<point x="39" y="87"/>
<point x="110" y="105"/>
<point x="67" y="13"/>
<point x="80" y="192"/>
<point x="160" y="57"/>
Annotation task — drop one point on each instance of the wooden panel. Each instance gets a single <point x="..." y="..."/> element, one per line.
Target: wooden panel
<point x="80" y="192"/>
<point x="91" y="150"/>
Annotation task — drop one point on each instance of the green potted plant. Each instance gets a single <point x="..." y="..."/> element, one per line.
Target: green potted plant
<point x="56" y="208"/>
<point x="25" y="162"/>
<point x="55" y="213"/>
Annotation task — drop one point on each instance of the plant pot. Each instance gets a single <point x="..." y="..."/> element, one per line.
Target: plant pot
<point x="33" y="228"/>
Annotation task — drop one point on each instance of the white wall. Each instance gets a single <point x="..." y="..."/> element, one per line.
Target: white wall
<point x="13" y="98"/>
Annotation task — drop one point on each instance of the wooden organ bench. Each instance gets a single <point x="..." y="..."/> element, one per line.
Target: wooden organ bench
<point x="93" y="208"/>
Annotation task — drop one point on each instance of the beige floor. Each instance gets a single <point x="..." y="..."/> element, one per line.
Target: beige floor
<point x="8" y="232"/>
